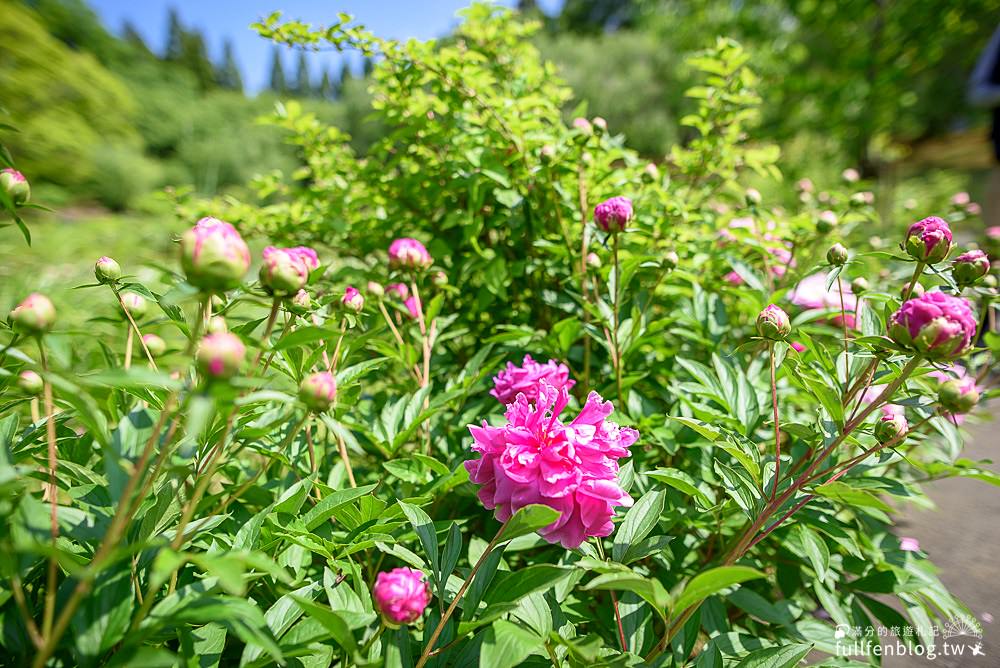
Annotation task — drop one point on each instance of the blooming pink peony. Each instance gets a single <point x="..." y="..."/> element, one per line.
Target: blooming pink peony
<point x="537" y="459"/>
<point x="613" y="214"/>
<point x="811" y="293"/>
<point x="401" y="594"/>
<point x="525" y="379"/>
<point x="936" y="324"/>
<point x="409" y="253"/>
<point x="928" y="240"/>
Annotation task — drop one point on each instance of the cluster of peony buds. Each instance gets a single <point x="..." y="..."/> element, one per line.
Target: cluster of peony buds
<point x="13" y="183"/>
<point x="406" y="253"/>
<point x="773" y="323"/>
<point x="34" y="315"/>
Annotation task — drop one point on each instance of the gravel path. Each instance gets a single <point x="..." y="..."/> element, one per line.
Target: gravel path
<point x="963" y="538"/>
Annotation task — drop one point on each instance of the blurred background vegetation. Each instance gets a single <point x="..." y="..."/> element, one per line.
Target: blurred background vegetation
<point x="106" y="123"/>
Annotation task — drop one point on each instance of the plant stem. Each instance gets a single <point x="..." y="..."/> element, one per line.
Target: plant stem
<point x="582" y="191"/>
<point x="913" y="281"/>
<point x="199" y="323"/>
<point x="268" y="328"/>
<point x="614" y="333"/>
<point x="133" y="329"/>
<point x="128" y="348"/>
<point x="344" y="457"/>
<point x="614" y="601"/>
<point x="52" y="491"/>
<point x="458" y="597"/>
<point x="777" y="428"/>
<point x="335" y="360"/>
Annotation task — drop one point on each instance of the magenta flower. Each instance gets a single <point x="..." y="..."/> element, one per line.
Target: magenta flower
<point x="537" y="459"/>
<point x="409" y="253"/>
<point x="214" y="255"/>
<point x="526" y="378"/>
<point x="811" y="293"/>
<point x="398" y="289"/>
<point x="401" y="594"/>
<point x="928" y="240"/>
<point x="412" y="305"/>
<point x="939" y="325"/>
<point x="352" y="300"/>
<point x="613" y="214"/>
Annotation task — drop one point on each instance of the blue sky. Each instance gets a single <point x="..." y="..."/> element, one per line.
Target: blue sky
<point x="221" y="19"/>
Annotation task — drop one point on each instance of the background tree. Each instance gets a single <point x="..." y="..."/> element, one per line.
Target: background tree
<point x="229" y="73"/>
<point x="303" y="83"/>
<point x="277" y="82"/>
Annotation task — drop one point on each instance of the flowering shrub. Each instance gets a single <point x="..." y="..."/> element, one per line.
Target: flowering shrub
<point x="293" y="470"/>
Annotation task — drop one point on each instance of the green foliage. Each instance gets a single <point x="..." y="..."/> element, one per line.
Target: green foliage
<point x="221" y="522"/>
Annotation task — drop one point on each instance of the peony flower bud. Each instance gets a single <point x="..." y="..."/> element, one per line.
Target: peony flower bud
<point x="891" y="425"/>
<point x="318" y="391"/>
<point x="773" y="323"/>
<point x="352" y="299"/>
<point x="958" y="396"/>
<point x="409" y="253"/>
<point x="375" y="288"/>
<point x="753" y="196"/>
<point x="401" y="595"/>
<point x="154" y="344"/>
<point x="283" y="272"/>
<point x="30" y="382"/>
<point x="600" y="125"/>
<point x="671" y="260"/>
<point x="439" y="279"/>
<point x="850" y="175"/>
<point x="217" y="325"/>
<point x="938" y="325"/>
<point x="837" y="255"/>
<point x="398" y="289"/>
<point x="826" y="221"/>
<point x="412" y="305"/>
<point x="960" y="199"/>
<point x="651" y="172"/>
<point x="34" y="315"/>
<point x="135" y="304"/>
<point x="106" y="270"/>
<point x="300" y="303"/>
<point x="969" y="267"/>
<point x="918" y="290"/>
<point x="928" y="240"/>
<point x="214" y="255"/>
<point x="613" y="214"/>
<point x="583" y="126"/>
<point x="15" y="185"/>
<point x="798" y="347"/>
<point x="593" y="260"/>
<point x="547" y="152"/>
<point x="805" y="185"/>
<point x="220" y="355"/>
<point x="907" y="544"/>
<point x="859" y="285"/>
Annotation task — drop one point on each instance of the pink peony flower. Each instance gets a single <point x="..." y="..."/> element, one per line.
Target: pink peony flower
<point x="352" y="300"/>
<point x="412" y="305"/>
<point x="805" y="185"/>
<point x="537" y="459"/>
<point x="214" y="255"/>
<point x="733" y="278"/>
<point x="811" y="293"/>
<point x="398" y="289"/>
<point x="526" y="378"/>
<point x="909" y="544"/>
<point x="401" y="594"/>
<point x="409" y="253"/>
<point x="993" y="232"/>
<point x="613" y="214"/>
<point x="936" y="324"/>
<point x="928" y="240"/>
<point x="960" y="198"/>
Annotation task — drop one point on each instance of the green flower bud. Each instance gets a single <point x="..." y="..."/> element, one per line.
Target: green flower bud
<point x="300" y="303"/>
<point x="958" y="396"/>
<point x="34" y="315"/>
<point x="318" y="391"/>
<point x="670" y="260"/>
<point x="106" y="270"/>
<point x="859" y="285"/>
<point x="15" y="185"/>
<point x="969" y="267"/>
<point x="217" y="325"/>
<point x="773" y="323"/>
<point x="154" y="344"/>
<point x="30" y="383"/>
<point x="891" y="425"/>
<point x="136" y="305"/>
<point x="837" y="255"/>
<point x="826" y="221"/>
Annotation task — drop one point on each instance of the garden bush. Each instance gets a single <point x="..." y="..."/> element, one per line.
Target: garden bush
<point x="505" y="395"/>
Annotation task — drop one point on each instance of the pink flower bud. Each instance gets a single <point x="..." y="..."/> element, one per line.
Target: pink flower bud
<point x="401" y="595"/>
<point x="409" y="254"/>
<point x="599" y="124"/>
<point x="850" y="175"/>
<point x="651" y="171"/>
<point x="216" y="325"/>
<point x="593" y="260"/>
<point x="909" y="544"/>
<point x="973" y="209"/>
<point x="960" y="198"/>
<point x="30" y="382"/>
<point x="753" y="196"/>
<point x="398" y="289"/>
<point x="439" y="279"/>
<point x="284" y="271"/>
<point x="928" y="240"/>
<point x="837" y="255"/>
<point x="214" y="255"/>
<point x="798" y="347"/>
<point x="375" y="288"/>
<point x="300" y="303"/>
<point x="805" y="185"/>
<point x="891" y="425"/>
<point x="413" y="306"/>
<point x="958" y="396"/>
<point x="34" y="315"/>
<point x="859" y="285"/>
<point x="15" y="185"/>
<point x="352" y="299"/>
<point x="938" y="325"/>
<point x="826" y="222"/>
<point x="220" y="355"/>
<point x="773" y="323"/>
<point x="136" y="305"/>
<point x="318" y="391"/>
<point x="969" y="267"/>
<point x="613" y="214"/>
<point x="583" y="126"/>
<point x="154" y="344"/>
<point x="106" y="270"/>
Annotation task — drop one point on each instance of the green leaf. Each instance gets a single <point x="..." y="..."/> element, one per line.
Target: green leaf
<point x="648" y="588"/>
<point x="776" y="657"/>
<point x="640" y="519"/>
<point x="841" y="491"/>
<point x="708" y="431"/>
<point x="326" y="508"/>
<point x="331" y="621"/>
<point x="711" y="582"/>
<point x="680" y="481"/>
<point x="815" y="549"/>
<point x="280" y="617"/>
<point x="506" y="645"/>
<point x="424" y="528"/>
<point x="103" y="618"/>
<point x="512" y="586"/>
<point x="526" y="520"/>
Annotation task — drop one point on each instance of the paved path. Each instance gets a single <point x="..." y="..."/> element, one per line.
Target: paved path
<point x="963" y="538"/>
